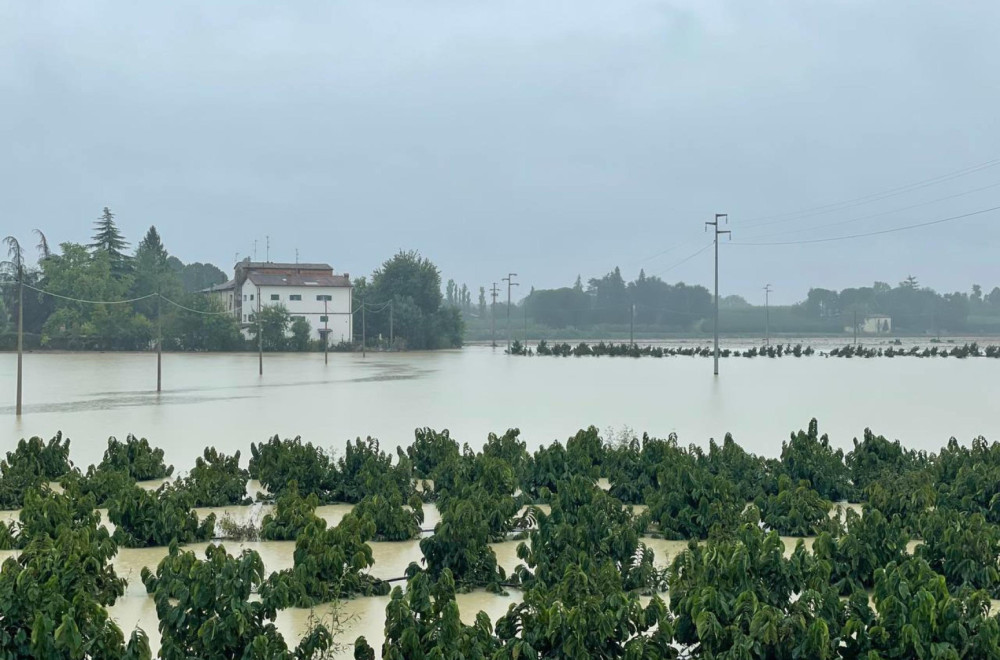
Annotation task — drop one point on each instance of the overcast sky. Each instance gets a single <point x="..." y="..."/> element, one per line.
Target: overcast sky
<point x="548" y="138"/>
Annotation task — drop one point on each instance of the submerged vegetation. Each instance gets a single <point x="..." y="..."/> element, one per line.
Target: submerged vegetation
<point x="912" y="568"/>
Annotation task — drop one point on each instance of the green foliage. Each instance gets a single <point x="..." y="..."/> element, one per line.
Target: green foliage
<point x="392" y="521"/>
<point x="206" y="611"/>
<point x="460" y="545"/>
<point x="739" y="597"/>
<point x="965" y="549"/>
<point x="632" y="468"/>
<point x="216" y="480"/>
<point x="413" y="284"/>
<point x="272" y="322"/>
<point x="510" y="449"/>
<point x="968" y="478"/>
<point x="906" y="495"/>
<point x="585" y="452"/>
<point x="301" y="331"/>
<point x="101" y="484"/>
<point x="586" y="614"/>
<point x="54" y="594"/>
<point x="796" y="510"/>
<point x="588" y="528"/>
<point x="691" y="502"/>
<point x="277" y="463"/>
<point x="751" y="474"/>
<point x="915" y="617"/>
<point x="136" y="457"/>
<point x="32" y="463"/>
<point x="867" y="543"/>
<point x="366" y="470"/>
<point x="46" y="513"/>
<point x="548" y="467"/>
<point x="809" y="456"/>
<point x="423" y="622"/>
<point x="329" y="563"/>
<point x="144" y="518"/>
<point x="875" y="458"/>
<point x="292" y="513"/>
<point x="430" y="449"/>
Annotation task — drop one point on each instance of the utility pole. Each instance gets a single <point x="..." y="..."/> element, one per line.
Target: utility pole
<point x="159" y="344"/>
<point x="715" y="226"/>
<point x="267" y="254"/>
<point x="631" y="326"/>
<point x="855" y="327"/>
<point x="525" y="328"/>
<point x="260" y="339"/>
<point x="493" y="314"/>
<point x="767" y="318"/>
<point x="510" y="282"/>
<point x="20" y="322"/>
<point x="326" y="325"/>
<point x="391" y="333"/>
<point x="364" y="340"/>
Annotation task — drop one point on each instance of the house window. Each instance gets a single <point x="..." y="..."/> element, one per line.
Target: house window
<point x="251" y="296"/>
<point x="275" y="296"/>
<point x="244" y="318"/>
<point x="323" y="318"/>
<point x="295" y="296"/>
<point x="296" y="318"/>
<point x="244" y="297"/>
<point x="324" y="297"/>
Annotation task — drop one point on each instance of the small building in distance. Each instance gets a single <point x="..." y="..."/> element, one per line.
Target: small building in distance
<point x="309" y="291"/>
<point x="873" y="325"/>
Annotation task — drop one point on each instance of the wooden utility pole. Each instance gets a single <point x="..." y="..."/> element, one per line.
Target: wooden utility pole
<point x="715" y="225"/>
<point x="364" y="339"/>
<point x="392" y="336"/>
<point x="493" y="314"/>
<point x="326" y="330"/>
<point x="510" y="282"/>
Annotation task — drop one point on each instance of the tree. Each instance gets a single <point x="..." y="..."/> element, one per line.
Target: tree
<point x="152" y="274"/>
<point x="301" y="331"/>
<point x="109" y="240"/>
<point x="482" y="302"/>
<point x="272" y="321"/>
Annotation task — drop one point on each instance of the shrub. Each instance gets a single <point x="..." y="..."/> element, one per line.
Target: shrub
<point x="796" y="510"/>
<point x="136" y="457"/>
<point x="809" y="456"/>
<point x="392" y="521"/>
<point x="216" y="480"/>
<point x="429" y="449"/>
<point x="277" y="463"/>
<point x="145" y="518"/>
<point x="292" y="513"/>
<point x="866" y="544"/>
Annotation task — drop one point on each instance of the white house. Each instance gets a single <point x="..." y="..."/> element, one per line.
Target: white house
<point x="309" y="291"/>
<point x="873" y="325"/>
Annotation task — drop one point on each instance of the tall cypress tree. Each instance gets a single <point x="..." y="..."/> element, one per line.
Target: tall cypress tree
<point x="108" y="239"/>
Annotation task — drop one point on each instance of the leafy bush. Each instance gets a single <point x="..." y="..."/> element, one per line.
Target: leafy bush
<point x="906" y="495"/>
<point x="586" y="527"/>
<point x="632" y="468"/>
<point x="460" y="544"/>
<point x="206" y="611"/>
<point x="751" y="474"/>
<point x="33" y="463"/>
<point x="809" y="456"/>
<point x="867" y="543"/>
<point x="136" y="457"/>
<point x="277" y="463"/>
<point x="585" y="452"/>
<point x="510" y="449"/>
<point x="54" y="595"/>
<point x="965" y="549"/>
<point x="423" y="622"/>
<point x="328" y="564"/>
<point x="102" y="484"/>
<point x="216" y="480"/>
<point x="46" y="513"/>
<point x="549" y="466"/>
<point x="797" y="509"/>
<point x="392" y="521"/>
<point x="738" y="596"/>
<point x="292" y="513"/>
<point x="365" y="470"/>
<point x="429" y="449"/>
<point x="875" y="458"/>
<point x="145" y="518"/>
<point x="691" y="502"/>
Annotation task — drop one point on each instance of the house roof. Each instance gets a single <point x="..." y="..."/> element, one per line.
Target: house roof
<point x="273" y="265"/>
<point x="266" y="279"/>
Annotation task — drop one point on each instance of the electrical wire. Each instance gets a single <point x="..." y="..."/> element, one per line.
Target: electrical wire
<point x="91" y="302"/>
<point x="196" y="311"/>
<point x="872" y="197"/>
<point x="876" y="215"/>
<point x="876" y="233"/>
<point x="685" y="259"/>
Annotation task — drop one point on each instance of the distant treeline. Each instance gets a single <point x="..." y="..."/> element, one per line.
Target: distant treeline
<point x="609" y="306"/>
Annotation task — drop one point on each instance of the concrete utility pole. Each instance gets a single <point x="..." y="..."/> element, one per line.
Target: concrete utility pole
<point x="19" y="264"/>
<point x="364" y="330"/>
<point x="159" y="345"/>
<point x="631" y="326"/>
<point x="493" y="314"/>
<point x="260" y="339"/>
<point x="510" y="282"/>
<point x="326" y="327"/>
<point x="767" y="318"/>
<point x="391" y="334"/>
<point x="715" y="226"/>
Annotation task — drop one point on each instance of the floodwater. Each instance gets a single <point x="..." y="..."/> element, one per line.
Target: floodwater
<point x="221" y="400"/>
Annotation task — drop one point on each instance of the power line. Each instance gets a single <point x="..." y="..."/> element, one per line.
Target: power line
<point x="878" y="233"/>
<point x="684" y="260"/>
<point x="91" y="302"/>
<point x="875" y="215"/>
<point x="872" y="197"/>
